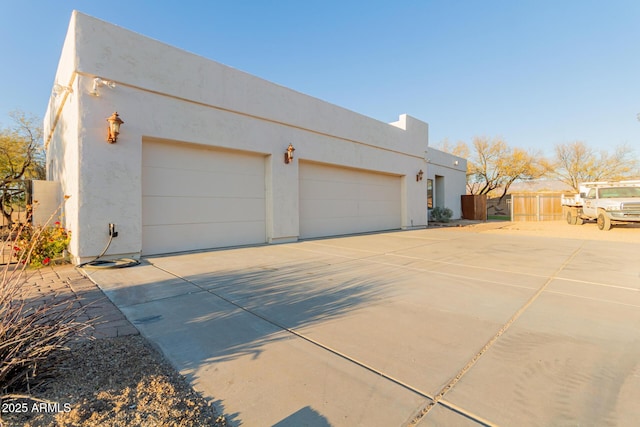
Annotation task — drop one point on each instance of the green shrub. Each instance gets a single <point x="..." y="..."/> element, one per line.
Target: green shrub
<point x="439" y="214"/>
<point x="46" y="244"/>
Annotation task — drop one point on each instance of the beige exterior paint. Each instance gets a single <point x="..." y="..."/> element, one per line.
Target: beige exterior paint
<point x="166" y="94"/>
<point x="336" y="200"/>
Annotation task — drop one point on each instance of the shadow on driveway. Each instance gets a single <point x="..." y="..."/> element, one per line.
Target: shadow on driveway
<point x="202" y="321"/>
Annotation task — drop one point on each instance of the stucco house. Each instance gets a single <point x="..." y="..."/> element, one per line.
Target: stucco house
<point x="208" y="156"/>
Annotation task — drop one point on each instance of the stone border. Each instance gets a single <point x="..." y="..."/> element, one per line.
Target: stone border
<point x="108" y="320"/>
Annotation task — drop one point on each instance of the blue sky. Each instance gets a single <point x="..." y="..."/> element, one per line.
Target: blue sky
<point x="536" y="73"/>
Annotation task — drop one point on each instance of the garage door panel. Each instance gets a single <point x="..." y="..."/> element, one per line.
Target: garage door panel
<point x="168" y="210"/>
<point x="335" y="200"/>
<point x="180" y="156"/>
<point x="196" y="198"/>
<point x="343" y="225"/>
<point x="378" y="193"/>
<point x="199" y="236"/>
<point x="337" y="226"/>
<point x="328" y="189"/>
<point x="338" y="208"/>
<point x="172" y="182"/>
<point x="375" y="207"/>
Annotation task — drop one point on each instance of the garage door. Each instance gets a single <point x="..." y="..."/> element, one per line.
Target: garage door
<point x="198" y="198"/>
<point x="335" y="200"/>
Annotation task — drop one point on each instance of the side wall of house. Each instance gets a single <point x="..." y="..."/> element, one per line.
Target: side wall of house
<point x="169" y="98"/>
<point x="61" y="136"/>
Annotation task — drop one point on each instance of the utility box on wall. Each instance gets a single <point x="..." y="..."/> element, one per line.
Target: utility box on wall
<point x="474" y="206"/>
<point x="46" y="198"/>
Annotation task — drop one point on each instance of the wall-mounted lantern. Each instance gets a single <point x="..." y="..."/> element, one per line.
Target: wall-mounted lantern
<point x="288" y="155"/>
<point x="114" y="128"/>
<point x="419" y="176"/>
<point x="456" y="163"/>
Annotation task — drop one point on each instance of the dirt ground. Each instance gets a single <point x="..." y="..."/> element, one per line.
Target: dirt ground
<point x="628" y="232"/>
<point x="118" y="382"/>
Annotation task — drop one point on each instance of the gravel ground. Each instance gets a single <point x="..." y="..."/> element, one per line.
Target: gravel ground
<point x="112" y="382"/>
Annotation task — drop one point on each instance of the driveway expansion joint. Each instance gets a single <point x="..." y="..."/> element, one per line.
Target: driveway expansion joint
<point x="449" y="386"/>
<point x="309" y="340"/>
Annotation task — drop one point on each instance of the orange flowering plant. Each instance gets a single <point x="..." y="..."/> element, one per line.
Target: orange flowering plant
<point x="47" y="244"/>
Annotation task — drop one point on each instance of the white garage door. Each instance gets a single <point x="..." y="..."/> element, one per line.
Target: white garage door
<point x="198" y="198"/>
<point x="335" y="200"/>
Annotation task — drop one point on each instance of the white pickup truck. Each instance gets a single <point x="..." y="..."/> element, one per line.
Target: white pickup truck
<point x="606" y="202"/>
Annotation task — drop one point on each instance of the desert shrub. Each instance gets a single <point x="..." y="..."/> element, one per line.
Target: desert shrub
<point x="42" y="245"/>
<point x="32" y="326"/>
<point x="439" y="214"/>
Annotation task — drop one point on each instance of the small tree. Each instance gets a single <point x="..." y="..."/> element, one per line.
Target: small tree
<point x="21" y="157"/>
<point x="493" y="165"/>
<point x="576" y="162"/>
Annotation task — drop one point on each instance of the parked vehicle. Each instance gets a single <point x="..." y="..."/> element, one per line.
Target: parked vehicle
<point x="607" y="203"/>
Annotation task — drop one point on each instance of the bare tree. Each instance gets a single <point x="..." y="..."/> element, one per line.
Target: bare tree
<point x="21" y="156"/>
<point x="494" y="166"/>
<point x="576" y="162"/>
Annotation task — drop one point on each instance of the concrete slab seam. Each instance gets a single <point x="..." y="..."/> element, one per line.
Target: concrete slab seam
<point x="467" y="414"/>
<point x="310" y="340"/>
<point x="592" y="299"/>
<point x="587" y="282"/>
<point x="440" y="395"/>
<point x="406" y="267"/>
<point x="367" y="250"/>
<point x="456" y="264"/>
<point x="606" y="285"/>
<point x="441" y="273"/>
<point x="165" y="298"/>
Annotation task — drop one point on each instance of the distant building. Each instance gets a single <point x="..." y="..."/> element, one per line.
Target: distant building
<point x="200" y="158"/>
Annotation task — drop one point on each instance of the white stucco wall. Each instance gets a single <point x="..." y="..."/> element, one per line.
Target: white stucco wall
<point x="453" y="170"/>
<point x="168" y="94"/>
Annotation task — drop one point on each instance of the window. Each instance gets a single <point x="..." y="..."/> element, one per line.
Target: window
<point x="429" y="194"/>
<point x="619" y="192"/>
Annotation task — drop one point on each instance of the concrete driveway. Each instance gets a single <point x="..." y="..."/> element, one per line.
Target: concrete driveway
<point x="445" y="327"/>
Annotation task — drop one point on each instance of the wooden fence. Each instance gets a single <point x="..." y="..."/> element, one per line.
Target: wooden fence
<point x="536" y="206"/>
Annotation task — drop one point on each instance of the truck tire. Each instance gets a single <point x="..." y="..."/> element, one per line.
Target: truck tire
<point x="571" y="219"/>
<point x="604" y="223"/>
<point x="579" y="220"/>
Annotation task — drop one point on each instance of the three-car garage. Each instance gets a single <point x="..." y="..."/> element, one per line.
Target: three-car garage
<point x="198" y="197"/>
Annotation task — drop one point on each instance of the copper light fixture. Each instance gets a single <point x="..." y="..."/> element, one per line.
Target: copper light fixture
<point x="114" y="128"/>
<point x="419" y="176"/>
<point x="288" y="155"/>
